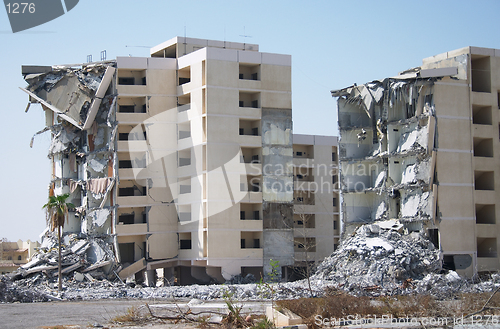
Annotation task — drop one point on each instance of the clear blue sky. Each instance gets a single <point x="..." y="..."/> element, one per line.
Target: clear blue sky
<point x="333" y="44"/>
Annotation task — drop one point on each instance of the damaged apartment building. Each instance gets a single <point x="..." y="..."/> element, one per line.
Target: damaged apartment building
<point x="184" y="162"/>
<point x="422" y="148"/>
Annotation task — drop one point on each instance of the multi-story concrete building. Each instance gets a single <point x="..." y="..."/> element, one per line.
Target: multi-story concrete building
<point x="423" y="147"/>
<point x="316" y="201"/>
<point x="184" y="161"/>
<point x="15" y="254"/>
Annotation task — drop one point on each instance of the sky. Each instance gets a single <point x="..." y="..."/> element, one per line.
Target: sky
<point x="333" y="44"/>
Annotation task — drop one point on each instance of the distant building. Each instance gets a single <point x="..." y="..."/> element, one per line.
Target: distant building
<point x="423" y="147"/>
<point x="15" y="254"/>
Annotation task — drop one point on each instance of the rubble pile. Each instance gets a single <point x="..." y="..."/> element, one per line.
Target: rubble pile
<point x="378" y="257"/>
<point x="83" y="258"/>
<point x="375" y="260"/>
<point x="10" y="293"/>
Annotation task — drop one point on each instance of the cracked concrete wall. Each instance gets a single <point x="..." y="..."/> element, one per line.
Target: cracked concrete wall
<point x="277" y="187"/>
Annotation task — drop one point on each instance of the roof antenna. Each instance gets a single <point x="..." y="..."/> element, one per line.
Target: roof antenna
<point x="244" y="36"/>
<point x="224" y="37"/>
<point x="185" y="50"/>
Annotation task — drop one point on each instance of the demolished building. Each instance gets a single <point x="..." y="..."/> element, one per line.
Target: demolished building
<point x="184" y="161"/>
<point x="419" y="147"/>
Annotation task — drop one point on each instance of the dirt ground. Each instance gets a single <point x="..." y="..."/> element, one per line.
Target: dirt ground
<point x="99" y="313"/>
<point x="78" y="314"/>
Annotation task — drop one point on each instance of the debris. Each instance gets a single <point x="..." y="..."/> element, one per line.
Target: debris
<point x="79" y="277"/>
<point x="379" y="256"/>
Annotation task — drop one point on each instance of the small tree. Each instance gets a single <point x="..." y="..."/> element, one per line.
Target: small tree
<point x="57" y="213"/>
<point x="306" y="244"/>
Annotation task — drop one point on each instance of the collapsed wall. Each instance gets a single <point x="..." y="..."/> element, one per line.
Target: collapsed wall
<point x="386" y="153"/>
<point x="79" y="105"/>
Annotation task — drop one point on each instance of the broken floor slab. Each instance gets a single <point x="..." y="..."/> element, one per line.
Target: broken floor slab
<point x="132" y="269"/>
<point x="75" y="94"/>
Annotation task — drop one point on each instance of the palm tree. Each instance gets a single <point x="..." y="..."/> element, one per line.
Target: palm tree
<point x="57" y="213"/>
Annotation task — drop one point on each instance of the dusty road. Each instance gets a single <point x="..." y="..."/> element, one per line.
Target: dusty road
<point x="84" y="313"/>
<point x="92" y="314"/>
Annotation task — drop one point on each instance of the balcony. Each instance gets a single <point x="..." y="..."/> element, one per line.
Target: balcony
<point x="304" y="209"/>
<point x="132" y="201"/>
<point x="303" y="162"/>
<point x="299" y="185"/>
<point x="249" y="141"/>
<point x="132" y="146"/>
<point x="131" y="229"/>
<point x="132" y="90"/>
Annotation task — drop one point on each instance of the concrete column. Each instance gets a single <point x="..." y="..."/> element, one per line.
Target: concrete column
<point x="150" y="278"/>
<point x="168" y="276"/>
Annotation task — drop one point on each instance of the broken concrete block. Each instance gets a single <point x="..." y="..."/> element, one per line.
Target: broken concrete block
<point x="79" y="245"/>
<point x="71" y="268"/>
<point x="89" y="277"/>
<point x="132" y="269"/>
<point x="78" y="276"/>
<point x="283" y="317"/>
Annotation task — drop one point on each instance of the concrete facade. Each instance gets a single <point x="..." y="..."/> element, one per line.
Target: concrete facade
<point x="422" y="147"/>
<point x="183" y="161"/>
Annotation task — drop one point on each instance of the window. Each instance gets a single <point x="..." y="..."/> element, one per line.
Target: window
<point x="242" y="215"/>
<point x="334" y="156"/>
<point x="184" y="75"/>
<point x="249" y="71"/>
<point x="126" y="109"/>
<point x="335" y="202"/>
<point x="249" y="127"/>
<point x="183" y="81"/>
<point x="484" y="180"/>
<point x="125" y="164"/>
<point x="249" y="99"/>
<point x="483" y="147"/>
<point x="481" y="115"/>
<point x="481" y="74"/>
<point x="185" y="244"/>
<point x="487" y="247"/>
<point x="299" y="154"/>
<point x="256" y="243"/>
<point x="334" y="179"/>
<point x="242" y="242"/>
<point x="126" y="81"/>
<point x="126" y="219"/>
<point x="485" y="214"/>
<point x="127" y="252"/>
<point x="19" y="257"/>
